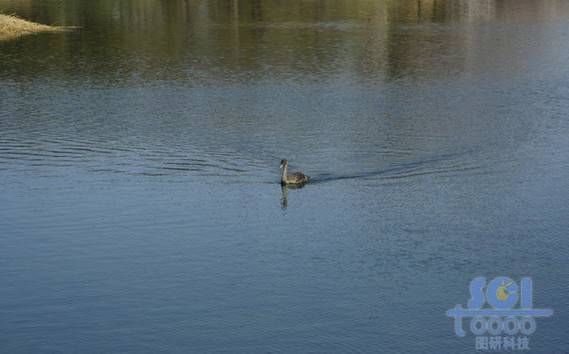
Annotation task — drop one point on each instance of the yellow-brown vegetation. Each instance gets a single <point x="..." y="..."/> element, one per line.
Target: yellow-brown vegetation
<point x="13" y="27"/>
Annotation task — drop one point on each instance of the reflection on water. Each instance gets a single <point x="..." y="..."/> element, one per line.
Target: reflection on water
<point x="194" y="42"/>
<point x="284" y="193"/>
<point x="139" y="172"/>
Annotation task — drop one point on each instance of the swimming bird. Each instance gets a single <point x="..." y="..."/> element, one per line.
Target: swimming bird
<point x="296" y="178"/>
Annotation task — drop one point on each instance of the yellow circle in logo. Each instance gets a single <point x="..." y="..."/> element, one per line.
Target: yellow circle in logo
<point x="502" y="292"/>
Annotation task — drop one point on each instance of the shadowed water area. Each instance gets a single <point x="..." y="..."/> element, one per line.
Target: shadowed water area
<point x="140" y="204"/>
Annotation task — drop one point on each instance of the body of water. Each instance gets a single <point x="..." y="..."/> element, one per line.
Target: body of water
<point x="140" y="204"/>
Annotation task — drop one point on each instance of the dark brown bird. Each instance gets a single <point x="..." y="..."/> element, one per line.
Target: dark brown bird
<point x="295" y="178"/>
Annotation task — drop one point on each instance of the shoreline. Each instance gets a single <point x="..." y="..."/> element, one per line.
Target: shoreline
<point x="12" y="27"/>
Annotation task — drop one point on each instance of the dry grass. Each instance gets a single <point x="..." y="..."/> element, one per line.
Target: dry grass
<point x="13" y="27"/>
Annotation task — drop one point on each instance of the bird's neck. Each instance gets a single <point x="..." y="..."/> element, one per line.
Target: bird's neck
<point x="285" y="171"/>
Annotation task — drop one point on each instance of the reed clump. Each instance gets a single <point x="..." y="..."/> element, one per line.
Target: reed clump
<point x="12" y="27"/>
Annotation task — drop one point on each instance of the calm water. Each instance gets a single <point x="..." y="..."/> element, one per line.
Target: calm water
<point x="140" y="209"/>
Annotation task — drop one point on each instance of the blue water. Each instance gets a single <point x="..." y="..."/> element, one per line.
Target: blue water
<point x="140" y="204"/>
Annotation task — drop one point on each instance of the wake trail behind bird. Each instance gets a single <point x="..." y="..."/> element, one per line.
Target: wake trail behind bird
<point x="437" y="165"/>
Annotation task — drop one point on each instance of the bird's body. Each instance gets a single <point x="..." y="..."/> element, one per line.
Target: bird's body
<point x="295" y="178"/>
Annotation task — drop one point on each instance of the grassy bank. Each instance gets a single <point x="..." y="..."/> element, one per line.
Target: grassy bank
<point x="13" y="27"/>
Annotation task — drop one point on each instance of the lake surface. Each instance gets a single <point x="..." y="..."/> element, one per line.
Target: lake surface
<point x="140" y="205"/>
